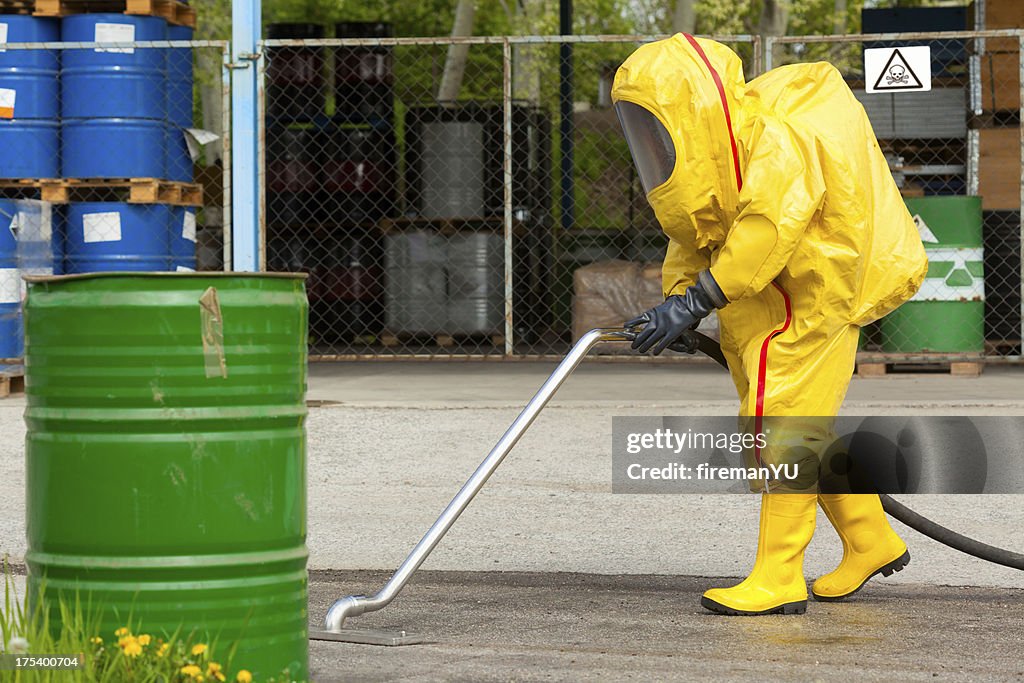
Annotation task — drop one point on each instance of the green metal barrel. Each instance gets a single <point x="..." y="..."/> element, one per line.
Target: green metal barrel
<point x="166" y="457"/>
<point x="948" y="312"/>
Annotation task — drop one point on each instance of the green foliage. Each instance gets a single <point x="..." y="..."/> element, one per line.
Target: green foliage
<point x="125" y="656"/>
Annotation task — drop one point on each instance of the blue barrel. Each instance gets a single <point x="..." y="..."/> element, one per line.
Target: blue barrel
<point x="179" y="78"/>
<point x="178" y="162"/>
<point x="31" y="74"/>
<point x="183" y="237"/>
<point x="113" y="82"/>
<point x="113" y="148"/>
<point x="29" y="142"/>
<point x="104" y="236"/>
<point x="29" y="148"/>
<point x="11" y="336"/>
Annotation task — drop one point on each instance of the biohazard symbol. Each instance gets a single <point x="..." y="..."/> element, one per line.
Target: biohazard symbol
<point x="897" y="75"/>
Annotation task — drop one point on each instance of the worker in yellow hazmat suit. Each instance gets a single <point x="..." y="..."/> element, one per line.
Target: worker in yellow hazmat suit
<point x="781" y="214"/>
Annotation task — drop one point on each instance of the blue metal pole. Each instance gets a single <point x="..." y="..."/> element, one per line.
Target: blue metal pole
<point x="245" y="187"/>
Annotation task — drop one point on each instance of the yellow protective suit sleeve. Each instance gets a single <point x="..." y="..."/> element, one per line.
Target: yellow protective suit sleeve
<point x="682" y="264"/>
<point x="783" y="188"/>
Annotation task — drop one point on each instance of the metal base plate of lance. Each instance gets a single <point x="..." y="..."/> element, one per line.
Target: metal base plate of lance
<point x="362" y="636"/>
<point x="354" y="605"/>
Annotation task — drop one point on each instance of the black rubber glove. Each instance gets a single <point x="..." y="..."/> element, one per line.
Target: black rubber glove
<point x="667" y="322"/>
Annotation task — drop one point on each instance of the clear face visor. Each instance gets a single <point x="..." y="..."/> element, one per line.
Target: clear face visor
<point x="649" y="142"/>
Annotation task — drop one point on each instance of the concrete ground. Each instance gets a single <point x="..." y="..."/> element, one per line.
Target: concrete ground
<point x="548" y="575"/>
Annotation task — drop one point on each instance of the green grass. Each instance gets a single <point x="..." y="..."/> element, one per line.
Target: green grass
<point x="126" y="656"/>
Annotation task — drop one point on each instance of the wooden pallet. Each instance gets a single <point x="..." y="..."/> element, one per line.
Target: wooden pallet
<point x="17" y="6"/>
<point x="11" y="384"/>
<point x="139" y="190"/>
<point x="445" y="341"/>
<point x="20" y="188"/>
<point x="1002" y="347"/>
<point x="872" y="365"/>
<point x="173" y="11"/>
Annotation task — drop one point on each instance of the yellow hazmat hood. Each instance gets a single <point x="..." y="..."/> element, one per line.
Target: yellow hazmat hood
<point x="693" y="86"/>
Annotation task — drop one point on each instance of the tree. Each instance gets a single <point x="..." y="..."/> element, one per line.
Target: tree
<point x="685" y="18"/>
<point x="455" y="63"/>
<point x="774" y="18"/>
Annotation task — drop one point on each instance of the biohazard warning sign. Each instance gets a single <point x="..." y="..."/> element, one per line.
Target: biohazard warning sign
<point x="898" y="69"/>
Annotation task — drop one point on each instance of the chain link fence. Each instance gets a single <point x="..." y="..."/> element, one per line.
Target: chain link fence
<point x="113" y="151"/>
<point x="446" y="215"/>
<point x="955" y="152"/>
<point x="457" y="198"/>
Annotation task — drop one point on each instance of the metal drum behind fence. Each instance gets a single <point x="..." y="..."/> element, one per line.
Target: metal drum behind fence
<point x="102" y="236"/>
<point x="179" y="78"/>
<point x="359" y="172"/>
<point x="294" y="160"/>
<point x="364" y="75"/>
<point x="476" y="283"/>
<point x="947" y="313"/>
<point x="113" y="148"/>
<point x="28" y="78"/>
<point x="10" y="283"/>
<point x="166" y="458"/>
<point x="183" y="238"/>
<point x="31" y="148"/>
<point x="178" y="161"/>
<point x="347" y="286"/>
<point x="416" y="295"/>
<point x="295" y="75"/>
<point x="454" y="161"/>
<point x="113" y="82"/>
<point x="29" y="100"/>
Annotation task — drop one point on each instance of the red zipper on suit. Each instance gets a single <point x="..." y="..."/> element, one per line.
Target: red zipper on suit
<point x="762" y="370"/>
<point x="725" y="107"/>
<point x="762" y="364"/>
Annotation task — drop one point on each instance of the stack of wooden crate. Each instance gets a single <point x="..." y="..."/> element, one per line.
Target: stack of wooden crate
<point x="1000" y="135"/>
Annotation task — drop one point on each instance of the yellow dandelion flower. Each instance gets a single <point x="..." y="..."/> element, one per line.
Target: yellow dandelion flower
<point x="191" y="670"/>
<point x="214" y="671"/>
<point x="123" y="631"/>
<point x="163" y="649"/>
<point x="145" y="640"/>
<point x="244" y="676"/>
<point x="198" y="649"/>
<point x="96" y="640"/>
<point x="131" y="648"/>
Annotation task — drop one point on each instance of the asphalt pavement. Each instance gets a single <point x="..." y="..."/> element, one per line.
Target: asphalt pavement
<point x="550" y="576"/>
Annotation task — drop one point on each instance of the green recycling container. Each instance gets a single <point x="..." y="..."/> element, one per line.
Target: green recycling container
<point x="166" y="458"/>
<point x="948" y="312"/>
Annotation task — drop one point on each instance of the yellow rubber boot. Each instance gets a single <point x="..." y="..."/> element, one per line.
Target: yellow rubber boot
<point x="776" y="584"/>
<point x="870" y="546"/>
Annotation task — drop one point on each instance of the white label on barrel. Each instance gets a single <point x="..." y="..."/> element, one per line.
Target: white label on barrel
<point x="115" y="33"/>
<point x="954" y="274"/>
<point x="7" y="97"/>
<point x="188" y="226"/>
<point x="10" y="286"/>
<point x="3" y="36"/>
<point x="102" y="227"/>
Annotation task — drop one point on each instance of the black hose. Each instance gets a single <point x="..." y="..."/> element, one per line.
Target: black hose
<point x="950" y="538"/>
<point x="898" y="510"/>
